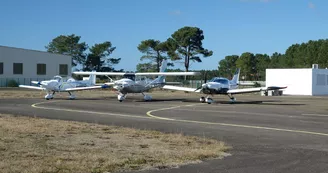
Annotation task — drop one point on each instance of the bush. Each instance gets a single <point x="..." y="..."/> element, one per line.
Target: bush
<point x="256" y="84"/>
<point x="12" y="83"/>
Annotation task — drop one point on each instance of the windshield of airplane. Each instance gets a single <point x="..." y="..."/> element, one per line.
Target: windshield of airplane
<point x="218" y="80"/>
<point x="130" y="76"/>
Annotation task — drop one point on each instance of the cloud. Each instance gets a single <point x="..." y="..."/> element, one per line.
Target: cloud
<point x="311" y="5"/>
<point x="175" y="12"/>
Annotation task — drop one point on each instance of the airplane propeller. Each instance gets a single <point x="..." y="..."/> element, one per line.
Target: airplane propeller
<point x="205" y="81"/>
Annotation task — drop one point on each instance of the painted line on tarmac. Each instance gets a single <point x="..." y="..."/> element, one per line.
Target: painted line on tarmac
<point x="149" y="113"/>
<point x="35" y="105"/>
<point x="319" y="115"/>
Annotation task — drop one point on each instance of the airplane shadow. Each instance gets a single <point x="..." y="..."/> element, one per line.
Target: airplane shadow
<point x="161" y="100"/>
<point x="268" y="102"/>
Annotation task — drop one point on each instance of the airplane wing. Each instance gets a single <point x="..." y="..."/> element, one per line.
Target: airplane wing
<point x="250" y="90"/>
<point x="86" y="88"/>
<point x="246" y="84"/>
<point x="31" y="87"/>
<point x="100" y="73"/>
<point x="139" y="74"/>
<point x="170" y="87"/>
<point x="168" y="74"/>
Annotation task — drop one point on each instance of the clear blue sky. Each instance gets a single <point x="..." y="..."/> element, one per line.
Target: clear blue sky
<point x="230" y="26"/>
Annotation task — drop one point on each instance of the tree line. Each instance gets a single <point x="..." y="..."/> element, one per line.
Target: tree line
<point x="185" y="45"/>
<point x="296" y="56"/>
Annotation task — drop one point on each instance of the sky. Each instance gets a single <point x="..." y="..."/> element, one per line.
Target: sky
<point x="230" y="27"/>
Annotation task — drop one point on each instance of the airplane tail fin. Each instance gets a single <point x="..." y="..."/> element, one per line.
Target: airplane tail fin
<point x="161" y="79"/>
<point x="235" y="78"/>
<point x="92" y="79"/>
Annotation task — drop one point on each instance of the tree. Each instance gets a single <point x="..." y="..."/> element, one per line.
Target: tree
<point x="227" y="66"/>
<point x="247" y="64"/>
<point x="153" y="50"/>
<point x="186" y="44"/>
<point x="69" y="45"/>
<point x="146" y="67"/>
<point x="262" y="63"/>
<point x="277" y="60"/>
<point x="98" y="58"/>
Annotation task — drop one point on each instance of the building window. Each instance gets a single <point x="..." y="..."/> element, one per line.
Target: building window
<point x="41" y="69"/>
<point x="18" y="68"/>
<point x="63" y="69"/>
<point x="1" y="67"/>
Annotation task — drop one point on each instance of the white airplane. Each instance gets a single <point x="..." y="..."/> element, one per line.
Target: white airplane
<point x="224" y="86"/>
<point x="137" y="82"/>
<point x="57" y="85"/>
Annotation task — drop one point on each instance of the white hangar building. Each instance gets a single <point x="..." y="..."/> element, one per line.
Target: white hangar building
<point x="299" y="81"/>
<point x="23" y="65"/>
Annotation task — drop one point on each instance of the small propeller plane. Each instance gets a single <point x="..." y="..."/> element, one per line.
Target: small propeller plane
<point x="138" y="82"/>
<point x="57" y="85"/>
<point x="224" y="86"/>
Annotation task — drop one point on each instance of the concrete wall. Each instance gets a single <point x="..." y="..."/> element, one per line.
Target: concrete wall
<point x="30" y="59"/>
<point x="298" y="81"/>
<point x="320" y="82"/>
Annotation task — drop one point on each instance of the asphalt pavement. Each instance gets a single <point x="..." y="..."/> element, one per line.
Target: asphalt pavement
<point x="267" y="134"/>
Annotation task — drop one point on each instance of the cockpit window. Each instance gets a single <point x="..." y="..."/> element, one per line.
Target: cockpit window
<point x="130" y="76"/>
<point x="218" y="80"/>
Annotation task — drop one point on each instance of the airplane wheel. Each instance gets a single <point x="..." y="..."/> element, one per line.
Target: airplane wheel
<point x="202" y="99"/>
<point x="47" y="98"/>
<point x="120" y="100"/>
<point x="209" y="100"/>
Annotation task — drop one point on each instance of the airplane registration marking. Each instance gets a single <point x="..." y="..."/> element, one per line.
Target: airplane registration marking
<point x="149" y="113"/>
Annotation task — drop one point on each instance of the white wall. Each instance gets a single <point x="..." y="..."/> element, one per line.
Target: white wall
<point x="320" y="82"/>
<point x="298" y="81"/>
<point x="30" y="59"/>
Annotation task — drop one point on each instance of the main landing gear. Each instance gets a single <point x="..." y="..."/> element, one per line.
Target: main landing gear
<point x="232" y="98"/>
<point x="209" y="100"/>
<point x="206" y="100"/>
<point x="71" y="96"/>
<point x="146" y="97"/>
<point x="51" y="95"/>
<point x="121" y="97"/>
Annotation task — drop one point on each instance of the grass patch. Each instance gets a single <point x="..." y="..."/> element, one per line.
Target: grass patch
<point x="42" y="145"/>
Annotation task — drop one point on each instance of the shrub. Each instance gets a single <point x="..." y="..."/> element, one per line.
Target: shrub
<point x="12" y="83"/>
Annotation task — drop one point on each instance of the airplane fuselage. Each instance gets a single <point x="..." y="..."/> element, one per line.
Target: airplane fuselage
<point x="125" y="86"/>
<point x="56" y="86"/>
<point x="218" y="86"/>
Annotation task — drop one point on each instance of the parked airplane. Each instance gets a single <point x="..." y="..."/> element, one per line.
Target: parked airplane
<point x="137" y="82"/>
<point x="224" y="86"/>
<point x="57" y="85"/>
